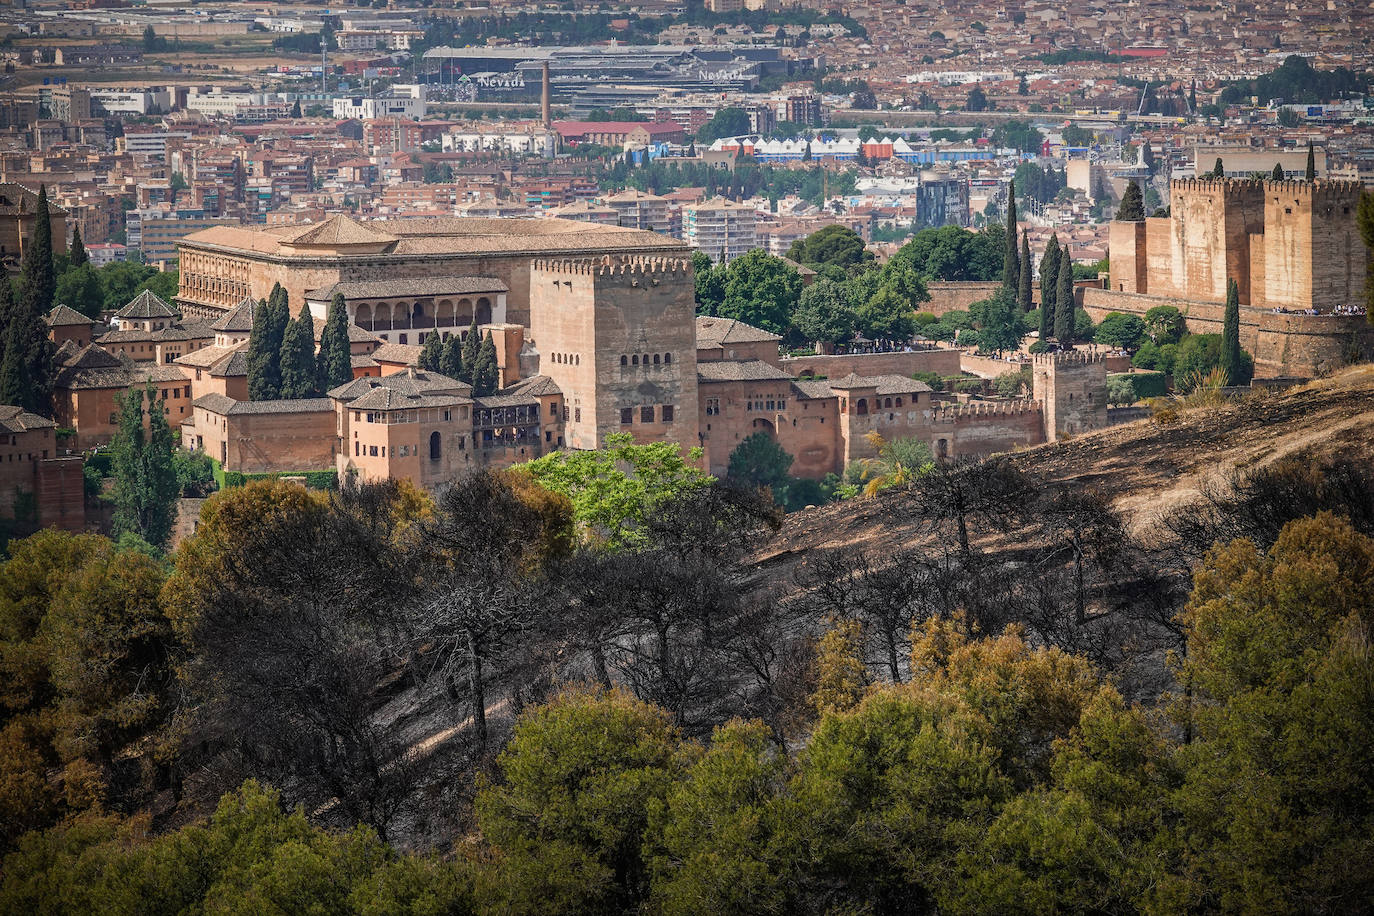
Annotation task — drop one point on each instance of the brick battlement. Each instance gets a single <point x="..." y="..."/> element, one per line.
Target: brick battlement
<point x="629" y="266"/>
<point x="1321" y="188"/>
<point x="1214" y="185"/>
<point x="1067" y="359"/>
<point x="983" y="410"/>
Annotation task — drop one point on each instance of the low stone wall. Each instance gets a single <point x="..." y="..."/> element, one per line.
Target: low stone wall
<point x="957" y="295"/>
<point x="1282" y="344"/>
<point x="941" y="360"/>
<point x="989" y="366"/>
<point x="1118" y="415"/>
<point x="986" y="428"/>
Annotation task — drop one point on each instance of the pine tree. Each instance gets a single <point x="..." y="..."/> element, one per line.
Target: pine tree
<point x="146" y="488"/>
<point x="472" y="345"/>
<point x="264" y="362"/>
<point x="1230" y="335"/>
<point x="298" y="357"/>
<point x="1063" y="300"/>
<point x="334" y="365"/>
<point x="1132" y="204"/>
<point x="432" y="353"/>
<point x="76" y="254"/>
<point x="451" y="363"/>
<point x="1024" y="274"/>
<point x="1010" y="258"/>
<point x="1049" y="279"/>
<point x="1277" y="174"/>
<point x="1311" y="174"/>
<point x="485" y="373"/>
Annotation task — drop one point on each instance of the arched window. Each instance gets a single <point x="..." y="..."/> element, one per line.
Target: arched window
<point x="655" y="359"/>
<point x="887" y="402"/>
<point x="899" y="402"/>
<point x="861" y="406"/>
<point x="624" y="360"/>
<point x="646" y="359"/>
<point x="434" y="446"/>
<point x="577" y="359"/>
<point x="635" y="359"/>
<point x="667" y="357"/>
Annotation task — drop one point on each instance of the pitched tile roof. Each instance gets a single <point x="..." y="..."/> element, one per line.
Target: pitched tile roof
<point x="238" y="319"/>
<point x="147" y="304"/>
<point x="716" y="332"/>
<point x="18" y="420"/>
<point x="383" y="398"/>
<point x="93" y="367"/>
<point x="411" y="381"/>
<point x="397" y="354"/>
<point x="227" y="406"/>
<point x="728" y="370"/>
<point x="64" y="316"/>
<point x="407" y="287"/>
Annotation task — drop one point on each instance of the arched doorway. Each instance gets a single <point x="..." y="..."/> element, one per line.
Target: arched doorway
<point x="435" y="446"/>
<point x="761" y="425"/>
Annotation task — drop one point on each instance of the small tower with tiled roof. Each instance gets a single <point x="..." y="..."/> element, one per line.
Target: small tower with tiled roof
<point x="66" y="323"/>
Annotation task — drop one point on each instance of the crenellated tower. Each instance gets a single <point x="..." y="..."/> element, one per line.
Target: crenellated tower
<point x="1072" y="390"/>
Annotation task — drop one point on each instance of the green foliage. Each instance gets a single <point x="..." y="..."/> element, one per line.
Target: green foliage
<point x="825" y="313"/>
<point x="451" y="361"/>
<point x="1310" y="173"/>
<point x="37" y="281"/>
<point x="86" y="675"/>
<point x="1000" y="326"/>
<point x="1165" y="324"/>
<point x="334" y="363"/>
<point x="1039" y="184"/>
<point x="614" y="489"/>
<point x="146" y="487"/>
<point x="1064" y="302"/>
<point x="1120" y="391"/>
<point x="1142" y="386"/>
<point x="432" y="353"/>
<point x="195" y="472"/>
<point x="1364" y="221"/>
<point x="485" y="372"/>
<point x="80" y="288"/>
<point x="1296" y="81"/>
<point x="569" y="816"/>
<point x="472" y="349"/>
<point x="761" y="290"/>
<point x="1230" y="361"/>
<point x="264" y="353"/>
<point x="1013" y="382"/>
<point x="77" y="256"/>
<point x="1132" y="207"/>
<point x="834" y="245"/>
<point x="952" y="253"/>
<point x="1120" y="330"/>
<point x="727" y="122"/>
<point x="1018" y="135"/>
<point x="298" y="368"/>
<point x="759" y="461"/>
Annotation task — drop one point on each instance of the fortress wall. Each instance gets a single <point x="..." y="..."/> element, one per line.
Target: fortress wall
<point x="941" y="360"/>
<point x="952" y="296"/>
<point x="1127" y="243"/>
<point x="1282" y="344"/>
<point x="985" y="428"/>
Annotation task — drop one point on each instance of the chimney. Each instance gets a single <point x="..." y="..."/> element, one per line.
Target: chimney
<point x="544" y="98"/>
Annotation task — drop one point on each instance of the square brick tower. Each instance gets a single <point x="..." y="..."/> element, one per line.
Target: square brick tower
<point x="618" y="336"/>
<point x="1072" y="390"/>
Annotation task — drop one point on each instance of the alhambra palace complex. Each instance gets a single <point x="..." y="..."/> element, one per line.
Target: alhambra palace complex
<point x="596" y="334"/>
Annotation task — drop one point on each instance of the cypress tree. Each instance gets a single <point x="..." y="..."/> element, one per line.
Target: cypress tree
<point x="1277" y="174"/>
<point x="472" y="345"/>
<point x="451" y="362"/>
<point x="298" y="357"/>
<point x="1311" y="174"/>
<point x="1230" y="335"/>
<point x="485" y="373"/>
<point x="432" y="353"/>
<point x="146" y="488"/>
<point x="1217" y="170"/>
<point x="1049" y="280"/>
<point x="264" y="366"/>
<point x="77" y="253"/>
<point x="1132" y="204"/>
<point x="1024" y="274"/>
<point x="1010" y="258"/>
<point x="334" y="365"/>
<point x="1063" y="300"/>
<point x="38" y="282"/>
<point x="14" y="371"/>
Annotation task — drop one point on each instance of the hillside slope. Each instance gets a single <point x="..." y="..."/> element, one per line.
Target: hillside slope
<point x="1145" y="468"/>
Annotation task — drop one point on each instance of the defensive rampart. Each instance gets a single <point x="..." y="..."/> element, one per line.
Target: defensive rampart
<point x="941" y="360"/>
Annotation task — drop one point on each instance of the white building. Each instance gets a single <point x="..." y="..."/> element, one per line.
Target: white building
<point x="721" y="229"/>
<point x="364" y="109"/>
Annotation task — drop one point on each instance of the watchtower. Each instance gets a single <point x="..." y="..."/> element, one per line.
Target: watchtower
<point x="1072" y="390"/>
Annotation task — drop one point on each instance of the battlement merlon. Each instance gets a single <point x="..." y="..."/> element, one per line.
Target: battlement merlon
<point x="983" y="409"/>
<point x="1067" y="358"/>
<point x="1289" y="186"/>
<point x="627" y="267"/>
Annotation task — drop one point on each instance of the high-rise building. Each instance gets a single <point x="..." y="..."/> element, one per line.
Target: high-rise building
<point x="721" y="229"/>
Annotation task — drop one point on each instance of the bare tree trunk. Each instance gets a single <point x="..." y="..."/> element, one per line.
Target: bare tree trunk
<point x="478" y="692"/>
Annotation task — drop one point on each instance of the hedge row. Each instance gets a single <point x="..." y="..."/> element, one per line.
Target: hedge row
<point x="314" y="480"/>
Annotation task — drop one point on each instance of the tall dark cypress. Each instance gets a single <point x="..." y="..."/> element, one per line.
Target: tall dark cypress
<point x="1049" y="280"/>
<point x="1230" y="335"/>
<point x="486" y="374"/>
<point x="37" y="285"/>
<point x="334" y="365"/>
<point x="1311" y="174"/>
<point x="264" y="349"/>
<point x="432" y="353"/>
<point x="1063" y="300"/>
<point x="451" y="362"/>
<point x="77" y="255"/>
<point x="1024" y="274"/>
<point x="472" y="345"/>
<point x="298" y="372"/>
<point x="38" y="282"/>
<point x="14" y="370"/>
<point x="1010" y="259"/>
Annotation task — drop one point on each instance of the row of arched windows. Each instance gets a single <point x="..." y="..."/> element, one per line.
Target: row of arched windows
<point x="571" y="359"/>
<point x="636" y="360"/>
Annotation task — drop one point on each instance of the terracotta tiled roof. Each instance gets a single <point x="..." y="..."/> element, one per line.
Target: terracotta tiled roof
<point x="18" y="420"/>
<point x="418" y="286"/>
<point x="147" y="304"/>
<point x="716" y="332"/>
<point x="238" y="319"/>
<point x="411" y="381"/>
<point x="64" y="316"/>
<point x="227" y="406"/>
<point x="726" y="370"/>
